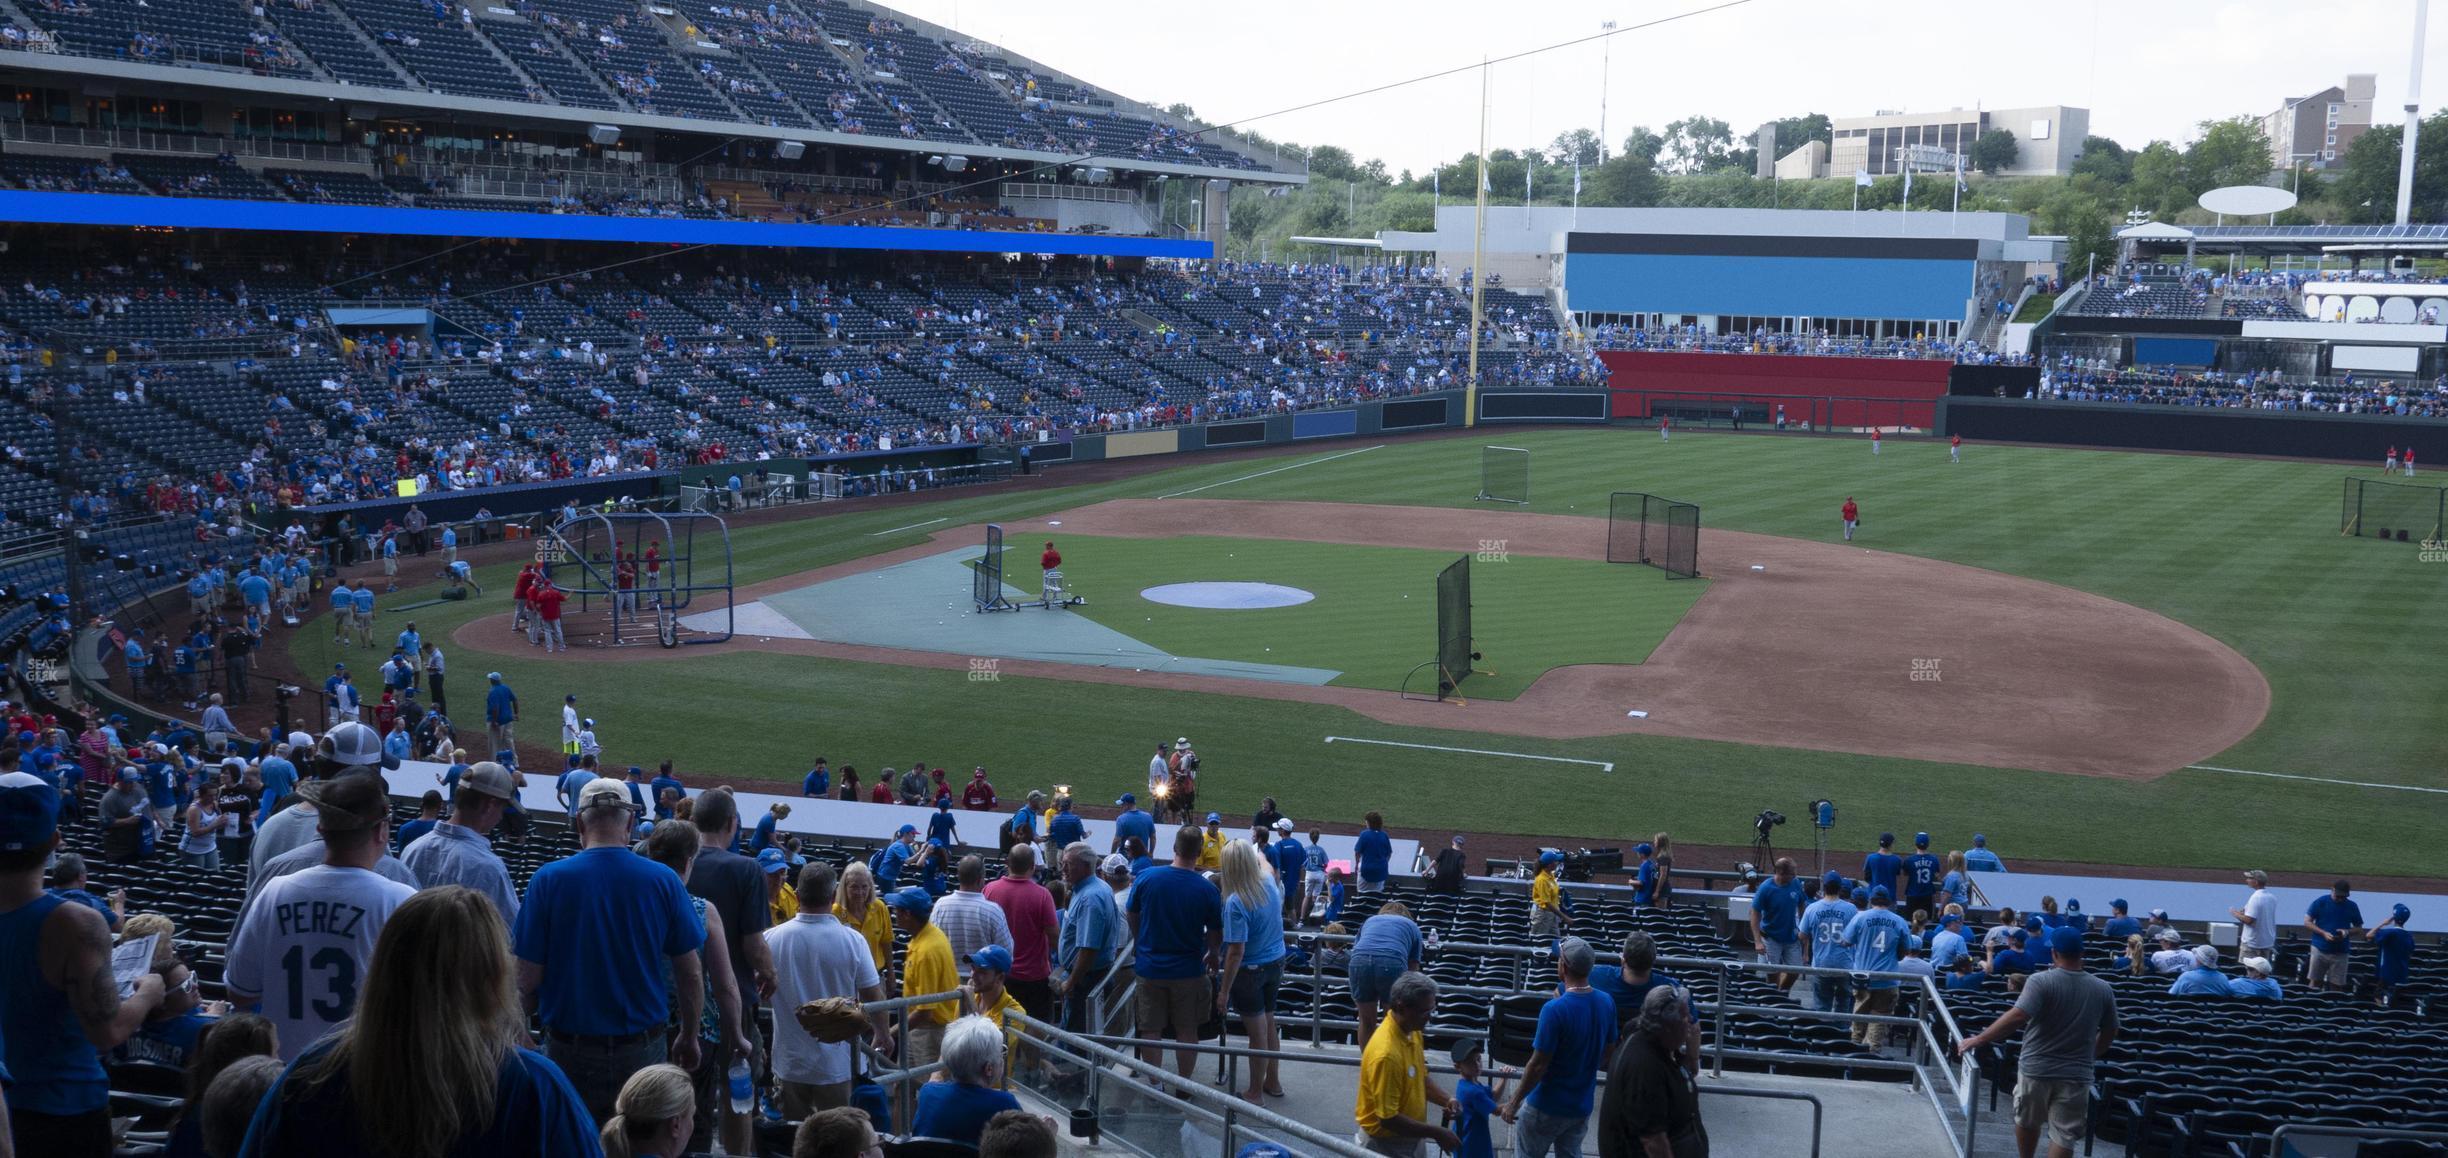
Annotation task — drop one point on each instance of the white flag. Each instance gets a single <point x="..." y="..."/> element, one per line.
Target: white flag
<point x="1861" y="178"/>
<point x="1908" y="188"/>
<point x="1436" y="186"/>
<point x="1576" y="176"/>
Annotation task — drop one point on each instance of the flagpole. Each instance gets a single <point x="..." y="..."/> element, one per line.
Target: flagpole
<point x="1470" y="391"/>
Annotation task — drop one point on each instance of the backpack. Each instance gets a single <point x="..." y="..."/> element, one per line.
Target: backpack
<point x="875" y="866"/>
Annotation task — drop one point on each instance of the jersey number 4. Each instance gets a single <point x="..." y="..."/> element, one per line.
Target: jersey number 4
<point x="338" y="971"/>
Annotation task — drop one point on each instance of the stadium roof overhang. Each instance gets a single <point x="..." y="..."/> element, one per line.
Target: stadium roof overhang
<point x="92" y="75"/>
<point x="2308" y="240"/>
<point x="1341" y="242"/>
<point x="117" y="210"/>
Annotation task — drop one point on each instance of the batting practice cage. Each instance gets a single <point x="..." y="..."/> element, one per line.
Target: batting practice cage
<point x="632" y="577"/>
<point x="2405" y="512"/>
<point x="986" y="574"/>
<point x="1665" y="534"/>
<point x="1504" y="474"/>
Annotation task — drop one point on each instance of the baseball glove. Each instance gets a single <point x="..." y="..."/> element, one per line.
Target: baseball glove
<point x="833" y="1020"/>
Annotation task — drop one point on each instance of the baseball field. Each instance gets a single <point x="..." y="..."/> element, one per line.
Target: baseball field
<point x="2120" y="658"/>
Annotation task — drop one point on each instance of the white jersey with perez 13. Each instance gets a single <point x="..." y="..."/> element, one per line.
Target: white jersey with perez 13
<point x="305" y="946"/>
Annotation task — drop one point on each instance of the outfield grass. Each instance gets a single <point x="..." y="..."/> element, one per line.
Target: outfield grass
<point x="2245" y="550"/>
<point x="1374" y="615"/>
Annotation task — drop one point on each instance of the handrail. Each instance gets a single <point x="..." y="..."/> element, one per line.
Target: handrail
<point x="1098" y="1052"/>
<point x="2285" y="1130"/>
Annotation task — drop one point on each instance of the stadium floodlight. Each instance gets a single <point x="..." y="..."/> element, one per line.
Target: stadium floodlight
<point x="955" y="163"/>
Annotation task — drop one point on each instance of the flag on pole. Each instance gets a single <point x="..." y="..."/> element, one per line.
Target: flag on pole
<point x="1861" y="178"/>
<point x="1908" y="186"/>
<point x="1436" y="187"/>
<point x="1528" y="164"/>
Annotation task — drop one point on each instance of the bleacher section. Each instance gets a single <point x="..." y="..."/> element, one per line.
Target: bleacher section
<point x="2148" y="290"/>
<point x="820" y="63"/>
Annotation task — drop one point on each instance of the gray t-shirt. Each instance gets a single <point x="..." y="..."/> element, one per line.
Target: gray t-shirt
<point x="2068" y="1009"/>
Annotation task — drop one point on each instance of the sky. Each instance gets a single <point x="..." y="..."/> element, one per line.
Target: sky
<point x="1755" y="61"/>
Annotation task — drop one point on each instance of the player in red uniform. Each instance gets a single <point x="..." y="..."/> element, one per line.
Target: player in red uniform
<point x="1852" y="517"/>
<point x="2390" y="465"/>
<point x="2408" y="468"/>
<point x="519" y="617"/>
<point x="1050" y="585"/>
<point x="1874" y="441"/>
<point x="1955" y="449"/>
<point x="1662" y="421"/>
<point x="1052" y="559"/>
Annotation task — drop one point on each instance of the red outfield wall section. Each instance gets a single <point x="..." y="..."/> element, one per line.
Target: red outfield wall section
<point x="1826" y="391"/>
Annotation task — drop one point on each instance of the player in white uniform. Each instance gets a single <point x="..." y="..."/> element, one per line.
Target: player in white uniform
<point x="570" y="725"/>
<point x="307" y="937"/>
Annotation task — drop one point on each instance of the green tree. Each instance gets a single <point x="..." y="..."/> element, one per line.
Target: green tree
<point x="1995" y="150"/>
<point x="2105" y="160"/>
<point x="1577" y="145"/>
<point x="2234" y="151"/>
<point x="1332" y="162"/>
<point x="2160" y="185"/>
<point x="1698" y="144"/>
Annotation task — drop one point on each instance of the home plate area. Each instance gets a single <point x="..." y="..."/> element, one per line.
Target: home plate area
<point x="924" y="605"/>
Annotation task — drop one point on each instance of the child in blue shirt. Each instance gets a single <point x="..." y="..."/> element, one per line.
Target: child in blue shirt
<point x="1474" y="1102"/>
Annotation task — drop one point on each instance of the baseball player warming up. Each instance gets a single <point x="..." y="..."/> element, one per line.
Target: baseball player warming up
<point x="1955" y="448"/>
<point x="1874" y="441"/>
<point x="1852" y="517"/>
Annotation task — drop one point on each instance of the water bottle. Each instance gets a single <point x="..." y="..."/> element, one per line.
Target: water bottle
<point x="743" y="1088"/>
<point x="1432" y="940"/>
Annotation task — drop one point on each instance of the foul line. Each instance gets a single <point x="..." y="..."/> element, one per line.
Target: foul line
<point x="1277" y="470"/>
<point x="1601" y="765"/>
<point x="2316" y="779"/>
<point x="911" y="527"/>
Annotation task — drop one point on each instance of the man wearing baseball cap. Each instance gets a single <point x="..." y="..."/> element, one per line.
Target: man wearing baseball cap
<point x="1132" y="823"/>
<point x="926" y="968"/>
<point x="1880" y="869"/>
<point x="2393" y="953"/>
<point x="1922" y="872"/>
<point x="325" y="917"/>
<point x="501" y="712"/>
<point x="1547" y="899"/>
<point x="591" y="940"/>
<point x="1876" y="937"/>
<point x="1292" y="867"/>
<point x="2259" y="918"/>
<point x="348" y="746"/>
<point x="2069" y="1019"/>
<point x="459" y="851"/>
<point x="1824" y="922"/>
<point x="59" y="1003"/>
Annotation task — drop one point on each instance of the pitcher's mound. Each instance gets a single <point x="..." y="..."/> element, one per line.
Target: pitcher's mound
<point x="1227" y="596"/>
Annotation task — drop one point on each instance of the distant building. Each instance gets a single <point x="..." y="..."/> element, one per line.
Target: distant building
<point x="2048" y="139"/>
<point x="2316" y="129"/>
<point x="1803" y="164"/>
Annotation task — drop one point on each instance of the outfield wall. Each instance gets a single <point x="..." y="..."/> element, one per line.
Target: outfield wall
<point x="1838" y="392"/>
<point x="2294" y="434"/>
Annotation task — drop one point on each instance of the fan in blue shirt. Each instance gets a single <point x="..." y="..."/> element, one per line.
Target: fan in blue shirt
<point x="943" y="826"/>
<point x="1066" y="829"/>
<point x="1645" y="874"/>
<point x="1880" y="869"/>
<point x="1575" y="1029"/>
<point x="1371" y="851"/>
<point x="2393" y="949"/>
<point x="1876" y="937"/>
<point x="2204" y="978"/>
<point x="1133" y="823"/>
<point x="819" y="780"/>
<point x="2331" y="918"/>
<point x="2120" y="926"/>
<point x="1921" y="877"/>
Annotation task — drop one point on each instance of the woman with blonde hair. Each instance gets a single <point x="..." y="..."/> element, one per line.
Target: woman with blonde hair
<point x="652" y="1116"/>
<point x="1661" y="849"/>
<point x="431" y="1064"/>
<point x="859" y="907"/>
<point x="1954" y="887"/>
<point x="1253" y="957"/>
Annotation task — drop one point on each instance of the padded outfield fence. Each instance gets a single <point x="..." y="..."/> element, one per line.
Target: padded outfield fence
<point x="1504" y="474"/>
<point x="1663" y="533"/>
<point x="1454" y="652"/>
<point x="2404" y="512"/>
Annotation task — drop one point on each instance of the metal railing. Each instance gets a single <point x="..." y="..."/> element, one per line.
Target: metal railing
<point x="143" y="141"/>
<point x="1193" y="1099"/>
<point x="1051" y="192"/>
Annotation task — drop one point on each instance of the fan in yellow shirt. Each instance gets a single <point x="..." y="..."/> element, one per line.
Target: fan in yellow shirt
<point x="1395" y="1089"/>
<point x="1547" y="898"/>
<point x="1211" y="846"/>
<point x="988" y="998"/>
<point x="779" y="895"/>
<point x="926" y="968"/>
<point x="860" y="908"/>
